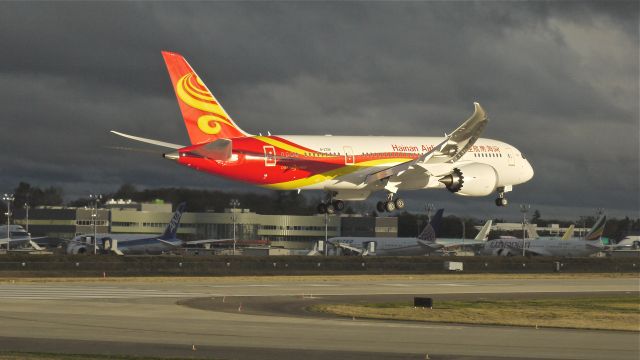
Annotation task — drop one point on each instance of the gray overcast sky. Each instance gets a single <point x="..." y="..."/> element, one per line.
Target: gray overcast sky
<point x="559" y="81"/>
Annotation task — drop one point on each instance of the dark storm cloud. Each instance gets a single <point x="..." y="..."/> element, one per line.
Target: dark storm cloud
<point x="559" y="81"/>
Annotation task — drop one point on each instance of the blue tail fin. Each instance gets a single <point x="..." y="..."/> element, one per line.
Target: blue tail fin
<point x="172" y="228"/>
<point x="430" y="231"/>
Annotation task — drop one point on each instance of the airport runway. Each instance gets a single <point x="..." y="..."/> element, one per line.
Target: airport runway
<point x="143" y="318"/>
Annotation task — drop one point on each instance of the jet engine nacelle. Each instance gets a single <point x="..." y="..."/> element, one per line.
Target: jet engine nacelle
<point x="471" y="180"/>
<point x="78" y="250"/>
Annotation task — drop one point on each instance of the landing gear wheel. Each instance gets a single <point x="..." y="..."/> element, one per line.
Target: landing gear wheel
<point x="322" y="208"/>
<point x="389" y="206"/>
<point x="330" y="209"/>
<point x="502" y="202"/>
<point x="399" y="203"/>
<point x="380" y="207"/>
<point x="338" y="205"/>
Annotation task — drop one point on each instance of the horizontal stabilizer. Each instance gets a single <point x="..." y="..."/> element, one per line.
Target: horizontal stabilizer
<point x="217" y="150"/>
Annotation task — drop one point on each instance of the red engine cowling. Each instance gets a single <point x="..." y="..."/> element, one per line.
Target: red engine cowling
<point x="471" y="180"/>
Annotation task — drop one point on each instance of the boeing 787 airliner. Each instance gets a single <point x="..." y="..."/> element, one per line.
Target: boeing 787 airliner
<point x="345" y="167"/>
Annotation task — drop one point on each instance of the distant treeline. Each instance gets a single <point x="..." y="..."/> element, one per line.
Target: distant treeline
<point x="290" y="203"/>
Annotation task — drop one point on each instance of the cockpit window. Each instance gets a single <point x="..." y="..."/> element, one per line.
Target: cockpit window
<point x="522" y="154"/>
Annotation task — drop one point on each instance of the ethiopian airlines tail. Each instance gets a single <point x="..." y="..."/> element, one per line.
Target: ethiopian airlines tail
<point x="204" y="117"/>
<point x="598" y="228"/>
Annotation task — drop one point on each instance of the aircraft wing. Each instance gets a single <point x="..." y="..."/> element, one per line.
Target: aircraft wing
<point x="206" y="241"/>
<point x="168" y="243"/>
<point x="595" y="245"/>
<point x="518" y="250"/>
<point x="452" y="148"/>
<point x="431" y="246"/>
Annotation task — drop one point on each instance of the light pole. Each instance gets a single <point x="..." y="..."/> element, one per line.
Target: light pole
<point x="94" y="217"/>
<point x="428" y="208"/>
<point x="234" y="204"/>
<point x="8" y="198"/>
<point x="463" y="231"/>
<point x="26" y="206"/>
<point x="524" y="209"/>
<point x="583" y="229"/>
<point x="326" y="234"/>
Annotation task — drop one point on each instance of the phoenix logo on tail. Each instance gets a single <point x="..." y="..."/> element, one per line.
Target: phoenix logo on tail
<point x="204" y="117"/>
<point x="346" y="168"/>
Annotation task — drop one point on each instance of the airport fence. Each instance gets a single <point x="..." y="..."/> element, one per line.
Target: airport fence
<point x="87" y="265"/>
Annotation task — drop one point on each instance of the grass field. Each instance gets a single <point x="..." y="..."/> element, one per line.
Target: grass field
<point x="606" y="313"/>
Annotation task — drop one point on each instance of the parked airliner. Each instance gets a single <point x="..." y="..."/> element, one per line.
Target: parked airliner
<point x="563" y="247"/>
<point x="18" y="238"/>
<point x="425" y="243"/>
<point x="345" y="167"/>
<point x="131" y="243"/>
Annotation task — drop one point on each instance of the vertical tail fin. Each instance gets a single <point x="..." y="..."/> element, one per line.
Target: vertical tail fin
<point x="172" y="228"/>
<point x="484" y="232"/>
<point x="569" y="233"/>
<point x="203" y="115"/>
<point x="598" y="228"/>
<point x="430" y="231"/>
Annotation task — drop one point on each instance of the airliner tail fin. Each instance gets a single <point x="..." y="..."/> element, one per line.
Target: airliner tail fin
<point x="203" y="115"/>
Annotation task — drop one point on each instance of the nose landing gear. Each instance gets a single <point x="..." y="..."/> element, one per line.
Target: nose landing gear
<point x="501" y="201"/>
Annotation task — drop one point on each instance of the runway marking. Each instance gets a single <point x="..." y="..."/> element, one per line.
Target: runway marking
<point x="27" y="292"/>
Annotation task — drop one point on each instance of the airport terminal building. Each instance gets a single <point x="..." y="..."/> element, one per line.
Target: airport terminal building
<point x="291" y="231"/>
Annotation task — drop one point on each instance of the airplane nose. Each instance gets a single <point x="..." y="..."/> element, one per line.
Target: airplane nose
<point x="527" y="171"/>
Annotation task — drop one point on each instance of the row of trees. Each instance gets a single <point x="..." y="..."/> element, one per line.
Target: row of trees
<point x="25" y="194"/>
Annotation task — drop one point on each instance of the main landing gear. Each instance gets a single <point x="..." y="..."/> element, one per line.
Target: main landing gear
<point x="501" y="201"/>
<point x="390" y="205"/>
<point x="330" y="206"/>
